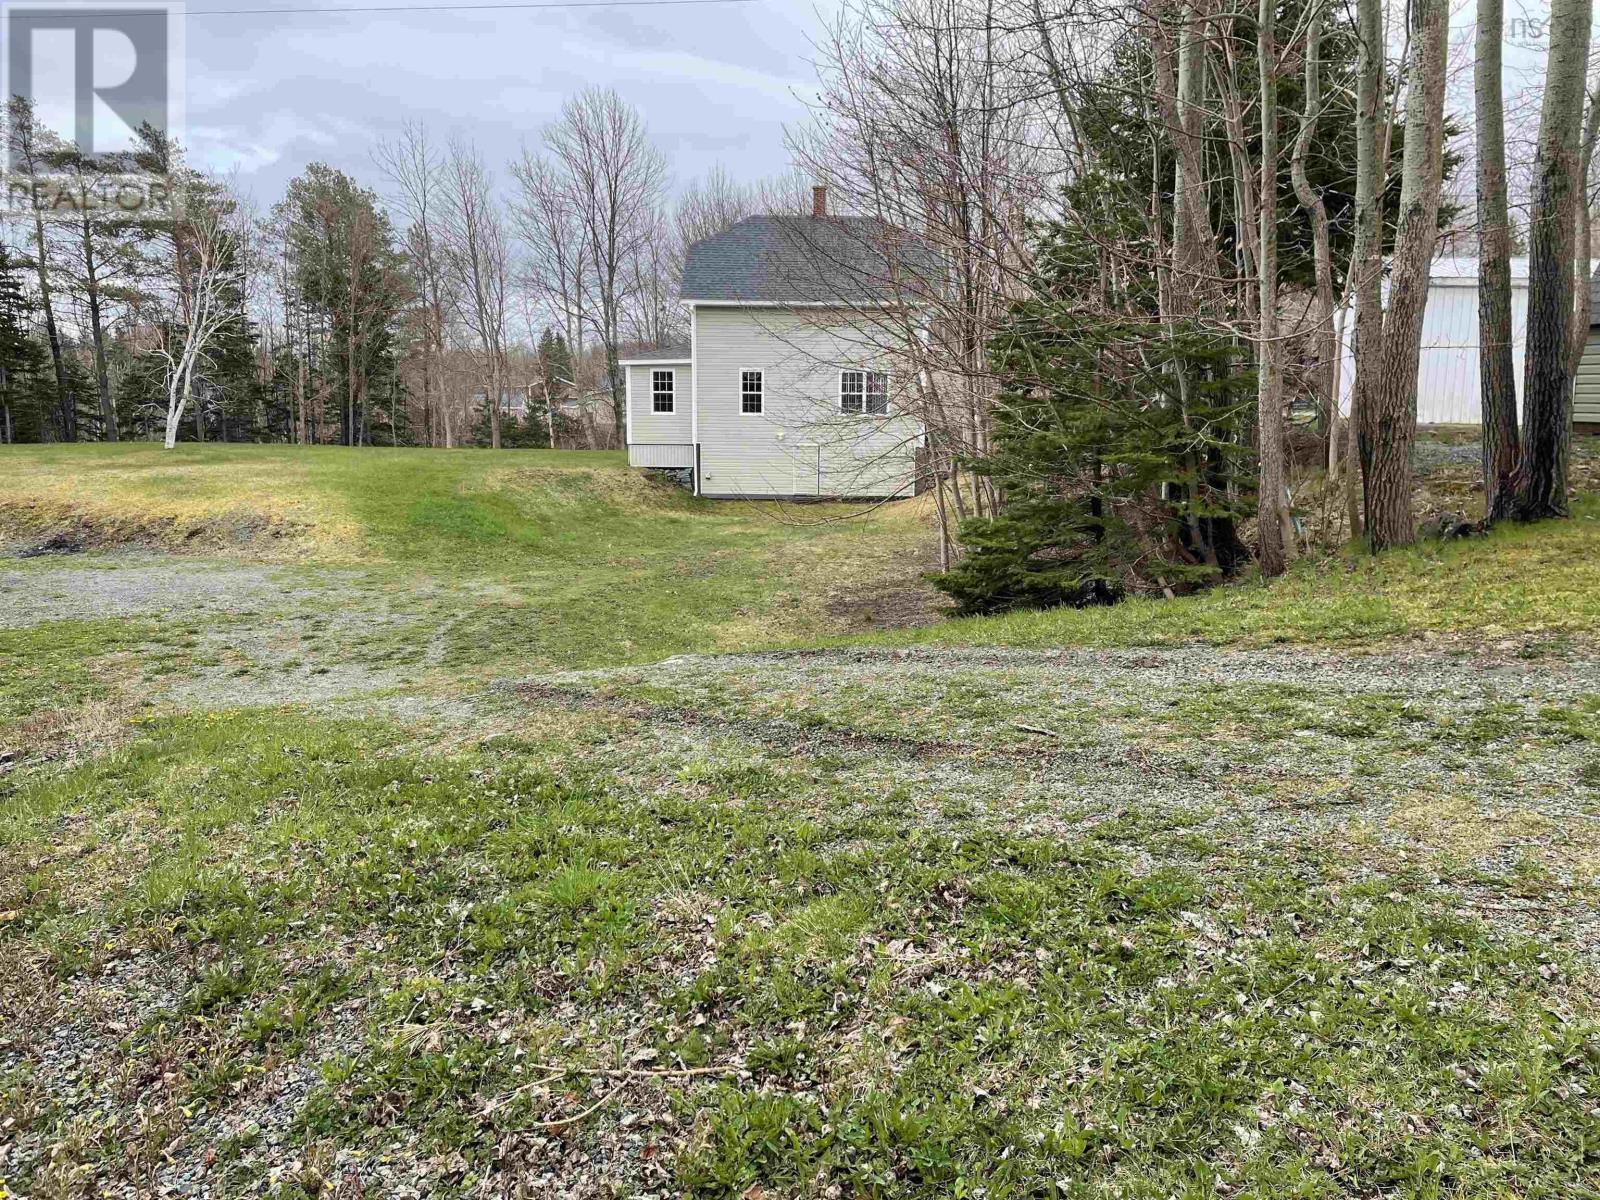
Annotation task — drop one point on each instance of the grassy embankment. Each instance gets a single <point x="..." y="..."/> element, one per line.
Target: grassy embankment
<point x="837" y="930"/>
<point x="1536" y="581"/>
<point x="599" y="567"/>
<point x="532" y="558"/>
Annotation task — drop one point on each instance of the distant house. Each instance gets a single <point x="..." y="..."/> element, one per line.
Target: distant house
<point x="513" y="402"/>
<point x="790" y="384"/>
<point x="1447" y="373"/>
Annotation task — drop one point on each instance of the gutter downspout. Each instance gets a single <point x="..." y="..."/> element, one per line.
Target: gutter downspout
<point x="694" y="389"/>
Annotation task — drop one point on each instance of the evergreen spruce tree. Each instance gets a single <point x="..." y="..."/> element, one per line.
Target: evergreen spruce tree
<point x="1110" y="481"/>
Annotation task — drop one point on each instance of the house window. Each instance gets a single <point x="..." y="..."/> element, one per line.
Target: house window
<point x="864" y="392"/>
<point x="750" y="391"/>
<point x="661" y="391"/>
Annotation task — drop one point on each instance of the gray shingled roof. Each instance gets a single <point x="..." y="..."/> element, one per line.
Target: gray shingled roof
<point x="810" y="260"/>
<point x="678" y="352"/>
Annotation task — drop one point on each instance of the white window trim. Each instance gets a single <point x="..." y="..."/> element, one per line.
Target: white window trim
<point x="864" y="371"/>
<point x="672" y="373"/>
<point x="761" y="371"/>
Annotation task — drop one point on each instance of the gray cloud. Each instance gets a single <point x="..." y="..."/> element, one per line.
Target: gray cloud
<point x="267" y="94"/>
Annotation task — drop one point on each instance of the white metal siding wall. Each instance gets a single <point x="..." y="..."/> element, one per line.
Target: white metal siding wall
<point x="648" y="428"/>
<point x="800" y="444"/>
<point x="1586" y="396"/>
<point x="1447" y="372"/>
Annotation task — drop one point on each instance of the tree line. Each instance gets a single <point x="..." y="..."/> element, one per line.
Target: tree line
<point x="352" y="314"/>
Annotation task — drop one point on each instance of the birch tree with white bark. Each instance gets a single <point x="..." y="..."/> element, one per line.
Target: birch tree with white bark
<point x="206" y="247"/>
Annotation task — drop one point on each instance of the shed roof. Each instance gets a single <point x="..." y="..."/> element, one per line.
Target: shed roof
<point x="810" y="260"/>
<point x="672" y="352"/>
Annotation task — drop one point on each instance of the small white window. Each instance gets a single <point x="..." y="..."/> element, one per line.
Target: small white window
<point x="750" y="391"/>
<point x="864" y="392"/>
<point x="661" y="391"/>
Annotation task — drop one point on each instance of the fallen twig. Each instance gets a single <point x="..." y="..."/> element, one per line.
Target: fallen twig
<point x="563" y="1122"/>
<point x="642" y="1072"/>
<point x="1039" y="729"/>
<point x="622" y="1074"/>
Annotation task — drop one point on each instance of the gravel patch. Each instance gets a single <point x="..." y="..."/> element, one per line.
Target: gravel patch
<point x="136" y="584"/>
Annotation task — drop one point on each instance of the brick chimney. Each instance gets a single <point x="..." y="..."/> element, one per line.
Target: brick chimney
<point x="819" y="201"/>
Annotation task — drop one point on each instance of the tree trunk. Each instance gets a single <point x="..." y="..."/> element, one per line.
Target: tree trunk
<point x="1497" y="381"/>
<point x="351" y="437"/>
<point x="67" y="423"/>
<point x="351" y="428"/>
<point x="494" y="400"/>
<point x="177" y="396"/>
<point x="1269" y="395"/>
<point x="1390" y="418"/>
<point x="1547" y="383"/>
<point x="302" y="396"/>
<point x="1372" y="168"/>
<point x="1325" y="337"/>
<point x="108" y="414"/>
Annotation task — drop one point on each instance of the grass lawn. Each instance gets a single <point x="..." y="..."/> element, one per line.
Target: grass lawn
<point x="355" y="840"/>
<point x="1539" y="581"/>
<point x="559" y="557"/>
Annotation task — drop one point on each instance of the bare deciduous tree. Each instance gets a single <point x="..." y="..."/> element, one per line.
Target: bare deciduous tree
<point x="1389" y="417"/>
<point x="554" y="238"/>
<point x="1582" y="312"/>
<point x="615" y="177"/>
<point x="1324" y="336"/>
<point x="1558" y="187"/>
<point x="1269" y="407"/>
<point x="28" y="154"/>
<point x="479" y="257"/>
<point x="924" y="126"/>
<point x="415" y="170"/>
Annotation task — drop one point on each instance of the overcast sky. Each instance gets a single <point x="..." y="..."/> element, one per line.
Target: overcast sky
<point x="716" y="82"/>
<point x="269" y="93"/>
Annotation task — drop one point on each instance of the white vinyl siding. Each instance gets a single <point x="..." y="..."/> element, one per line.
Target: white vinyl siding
<point x="800" y="443"/>
<point x="1447" y="370"/>
<point x="654" y="438"/>
<point x="1586" y="392"/>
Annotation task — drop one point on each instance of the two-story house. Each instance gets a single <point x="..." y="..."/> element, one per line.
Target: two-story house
<point x="795" y="380"/>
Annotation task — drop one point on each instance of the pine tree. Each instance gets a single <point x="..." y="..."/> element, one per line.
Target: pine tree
<point x="27" y="382"/>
